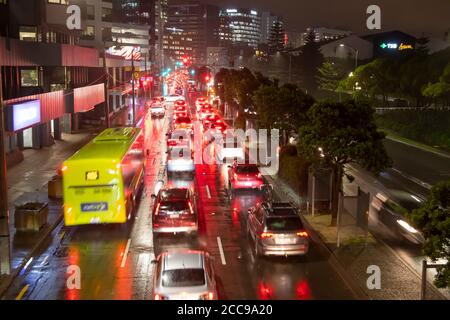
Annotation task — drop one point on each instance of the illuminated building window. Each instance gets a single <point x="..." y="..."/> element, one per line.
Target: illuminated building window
<point x="27" y="33"/>
<point x="29" y="77"/>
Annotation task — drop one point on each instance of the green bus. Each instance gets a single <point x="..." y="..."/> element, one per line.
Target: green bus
<point x="102" y="180"/>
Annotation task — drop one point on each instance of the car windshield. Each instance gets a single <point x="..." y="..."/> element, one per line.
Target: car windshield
<point x="284" y="224"/>
<point x="247" y="169"/>
<point x="173" y="206"/>
<point x="183" y="278"/>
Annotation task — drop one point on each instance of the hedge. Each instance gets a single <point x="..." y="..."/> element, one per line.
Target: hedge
<point x="431" y="127"/>
<point x="294" y="169"/>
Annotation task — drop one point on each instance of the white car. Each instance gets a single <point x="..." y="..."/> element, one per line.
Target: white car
<point x="180" y="159"/>
<point x="173" y="97"/>
<point x="184" y="275"/>
<point x="229" y="149"/>
<point x="157" y="110"/>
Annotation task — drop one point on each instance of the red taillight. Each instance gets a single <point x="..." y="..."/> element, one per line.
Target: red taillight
<point x="266" y="235"/>
<point x="210" y="296"/>
<point x="158" y="297"/>
<point x="259" y="176"/>
<point x="157" y="209"/>
<point x="64" y="168"/>
<point x="235" y="176"/>
<point x="190" y="207"/>
<point x="302" y="234"/>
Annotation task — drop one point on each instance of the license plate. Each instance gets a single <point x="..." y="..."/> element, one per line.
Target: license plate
<point x="247" y="184"/>
<point x="174" y="216"/>
<point x="284" y="241"/>
<point x="94" y="207"/>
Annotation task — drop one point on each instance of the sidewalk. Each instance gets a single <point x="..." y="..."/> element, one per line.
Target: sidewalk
<point x="27" y="182"/>
<point x="398" y="280"/>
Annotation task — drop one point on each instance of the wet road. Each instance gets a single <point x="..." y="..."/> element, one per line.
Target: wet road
<point x="408" y="183"/>
<point x="115" y="261"/>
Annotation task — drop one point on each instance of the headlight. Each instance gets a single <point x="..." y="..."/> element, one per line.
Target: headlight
<point x="405" y="225"/>
<point x="159" y="297"/>
<point x="207" y="296"/>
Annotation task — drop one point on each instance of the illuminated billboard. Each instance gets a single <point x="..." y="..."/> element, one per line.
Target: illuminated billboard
<point x="126" y="52"/>
<point x="24" y="114"/>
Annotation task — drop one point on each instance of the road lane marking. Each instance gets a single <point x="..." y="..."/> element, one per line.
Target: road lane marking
<point x="124" y="258"/>
<point x="208" y="192"/>
<point x="44" y="261"/>
<point x="222" y="254"/>
<point x="22" y="292"/>
<point x="62" y="235"/>
<point x="413" y="179"/>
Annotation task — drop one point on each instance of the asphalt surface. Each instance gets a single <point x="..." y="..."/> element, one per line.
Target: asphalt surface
<point x="408" y="183"/>
<point x="115" y="261"/>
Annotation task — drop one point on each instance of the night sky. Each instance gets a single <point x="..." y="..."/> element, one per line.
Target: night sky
<point x="431" y="17"/>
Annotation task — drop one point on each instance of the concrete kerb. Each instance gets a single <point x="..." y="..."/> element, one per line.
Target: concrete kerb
<point x="356" y="290"/>
<point x="46" y="233"/>
<point x="340" y="269"/>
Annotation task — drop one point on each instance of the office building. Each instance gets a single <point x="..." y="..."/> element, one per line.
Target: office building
<point x="241" y="27"/>
<point x="199" y="23"/>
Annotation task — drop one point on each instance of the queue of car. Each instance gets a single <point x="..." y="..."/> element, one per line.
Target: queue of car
<point x="274" y="228"/>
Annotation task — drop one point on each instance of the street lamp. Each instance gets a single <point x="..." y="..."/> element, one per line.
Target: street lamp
<point x="354" y="50"/>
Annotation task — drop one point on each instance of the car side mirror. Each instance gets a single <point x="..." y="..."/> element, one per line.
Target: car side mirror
<point x="154" y="261"/>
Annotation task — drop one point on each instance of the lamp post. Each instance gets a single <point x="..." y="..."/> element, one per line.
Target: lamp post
<point x="132" y="87"/>
<point x="105" y="67"/>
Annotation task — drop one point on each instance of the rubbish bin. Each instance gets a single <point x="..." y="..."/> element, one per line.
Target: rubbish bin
<point x="31" y="216"/>
<point x="55" y="189"/>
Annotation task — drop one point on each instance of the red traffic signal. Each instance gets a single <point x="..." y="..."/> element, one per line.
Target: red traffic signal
<point x="207" y="78"/>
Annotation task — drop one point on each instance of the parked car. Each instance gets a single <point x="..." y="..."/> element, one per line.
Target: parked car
<point x="175" y="211"/>
<point x="276" y="229"/>
<point x="184" y="275"/>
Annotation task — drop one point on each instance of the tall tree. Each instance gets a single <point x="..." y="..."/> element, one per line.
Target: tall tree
<point x="328" y="76"/>
<point x="433" y="219"/>
<point x="337" y="134"/>
<point x="282" y="107"/>
<point x="310" y="60"/>
<point x="375" y="79"/>
<point x="332" y="72"/>
<point x="276" y="38"/>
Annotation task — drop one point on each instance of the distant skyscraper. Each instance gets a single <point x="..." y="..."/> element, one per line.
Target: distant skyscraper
<point x="267" y="21"/>
<point x="241" y="27"/>
<point x="160" y="24"/>
<point x="198" y="22"/>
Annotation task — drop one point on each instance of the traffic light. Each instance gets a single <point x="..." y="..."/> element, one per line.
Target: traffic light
<point x="186" y="60"/>
<point x="207" y="78"/>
